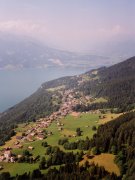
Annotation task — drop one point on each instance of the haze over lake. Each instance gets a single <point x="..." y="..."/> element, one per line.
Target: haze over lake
<point x="15" y="85"/>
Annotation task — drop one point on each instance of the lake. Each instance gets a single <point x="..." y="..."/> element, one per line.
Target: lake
<point x="16" y="85"/>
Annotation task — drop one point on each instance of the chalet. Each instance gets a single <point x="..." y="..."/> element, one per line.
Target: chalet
<point x="49" y="133"/>
<point x="40" y="137"/>
<point x="12" y="159"/>
<point x="2" y="158"/>
<point x="8" y="148"/>
<point x="39" y="130"/>
<point x="49" y="121"/>
<point x="60" y="129"/>
<point x="74" y="135"/>
<point x="19" y="146"/>
<point x="30" y="138"/>
<point x="7" y="154"/>
<point x="19" y="156"/>
<point x="18" y="137"/>
<point x="33" y="134"/>
<point x="16" y="143"/>
<point x="24" y="138"/>
<point x="30" y="147"/>
<point x="58" y="124"/>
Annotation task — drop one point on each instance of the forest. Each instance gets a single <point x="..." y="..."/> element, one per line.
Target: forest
<point x="118" y="137"/>
<point x="115" y="83"/>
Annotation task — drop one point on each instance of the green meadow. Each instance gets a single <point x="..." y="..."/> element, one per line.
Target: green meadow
<point x="84" y="121"/>
<point x="20" y="168"/>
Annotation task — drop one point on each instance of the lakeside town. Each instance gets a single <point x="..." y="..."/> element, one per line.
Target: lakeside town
<point x="38" y="131"/>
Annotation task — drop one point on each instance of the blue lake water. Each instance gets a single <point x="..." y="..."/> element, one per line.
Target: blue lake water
<point x="19" y="84"/>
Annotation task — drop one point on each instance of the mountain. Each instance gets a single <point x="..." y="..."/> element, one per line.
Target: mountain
<point x="24" y="52"/>
<point x="118" y="49"/>
<point x="114" y="84"/>
<point x="118" y="137"/>
<point x="111" y="83"/>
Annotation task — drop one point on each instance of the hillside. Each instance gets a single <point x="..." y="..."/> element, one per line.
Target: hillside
<point x="48" y="133"/>
<point x="24" y="52"/>
<point x="107" y="85"/>
<point x="118" y="137"/>
<point x="108" y="155"/>
<point x="116" y="84"/>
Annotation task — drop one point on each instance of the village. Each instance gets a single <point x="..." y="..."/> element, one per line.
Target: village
<point x="38" y="131"/>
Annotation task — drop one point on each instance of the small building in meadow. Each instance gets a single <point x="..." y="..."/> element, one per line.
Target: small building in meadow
<point x="7" y="154"/>
<point x="30" y="147"/>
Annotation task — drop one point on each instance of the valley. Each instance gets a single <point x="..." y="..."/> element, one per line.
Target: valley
<point x="75" y="122"/>
<point x="61" y="124"/>
<point x="26" y="138"/>
<point x="67" y="90"/>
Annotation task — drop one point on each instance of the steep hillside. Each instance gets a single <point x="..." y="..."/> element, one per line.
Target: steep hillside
<point x="42" y="103"/>
<point x="116" y="84"/>
<point x="118" y="137"/>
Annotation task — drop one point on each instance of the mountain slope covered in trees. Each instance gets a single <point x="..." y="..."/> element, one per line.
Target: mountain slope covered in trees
<point x="115" y="83"/>
<point x="118" y="137"/>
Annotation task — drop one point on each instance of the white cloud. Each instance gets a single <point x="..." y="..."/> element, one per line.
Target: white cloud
<point x="117" y="29"/>
<point x="114" y="30"/>
<point x="20" y="26"/>
<point x="73" y="37"/>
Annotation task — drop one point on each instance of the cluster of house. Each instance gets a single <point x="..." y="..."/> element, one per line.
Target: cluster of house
<point x="37" y="131"/>
<point x="7" y="156"/>
<point x="34" y="132"/>
<point x="69" y="101"/>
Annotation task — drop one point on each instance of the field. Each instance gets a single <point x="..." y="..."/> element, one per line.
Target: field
<point x="19" y="130"/>
<point x="104" y="159"/>
<point x="100" y="100"/>
<point x="108" y="117"/>
<point x="84" y="121"/>
<point x="10" y="142"/>
<point x="20" y="168"/>
<point x="38" y="148"/>
<point x="56" y="88"/>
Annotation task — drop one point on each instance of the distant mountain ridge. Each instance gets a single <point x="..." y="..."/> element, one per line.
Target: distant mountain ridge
<point x="23" y="52"/>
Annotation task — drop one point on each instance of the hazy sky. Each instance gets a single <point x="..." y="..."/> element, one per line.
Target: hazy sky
<point x="70" y="24"/>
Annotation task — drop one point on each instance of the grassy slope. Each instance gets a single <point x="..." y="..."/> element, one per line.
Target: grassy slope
<point x="18" y="168"/>
<point x="70" y="124"/>
<point x="82" y="121"/>
<point x="109" y="117"/>
<point x="104" y="159"/>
